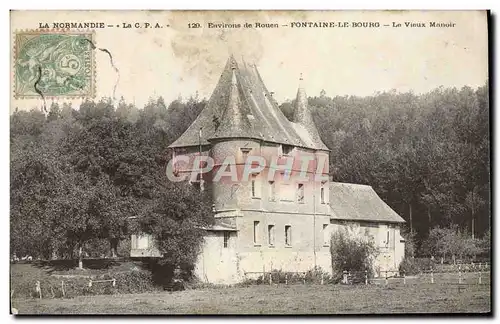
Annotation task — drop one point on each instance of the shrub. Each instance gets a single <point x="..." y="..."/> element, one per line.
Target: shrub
<point x="317" y="274"/>
<point x="124" y="247"/>
<point x="351" y="253"/>
<point x="193" y="285"/>
<point x="312" y="276"/>
<point x="51" y="287"/>
<point x="410" y="242"/>
<point x="135" y="282"/>
<point x="413" y="266"/>
<point x="280" y="276"/>
<point x="451" y="241"/>
<point x="408" y="267"/>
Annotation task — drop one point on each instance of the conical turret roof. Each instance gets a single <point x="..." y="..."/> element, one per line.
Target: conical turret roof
<point x="303" y="121"/>
<point x="242" y="107"/>
<point x="235" y="121"/>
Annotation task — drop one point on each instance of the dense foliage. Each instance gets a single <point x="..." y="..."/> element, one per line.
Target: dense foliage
<point x="78" y="175"/>
<point x="352" y="252"/>
<point x="72" y="283"/>
<point x="452" y="242"/>
<point x="427" y="156"/>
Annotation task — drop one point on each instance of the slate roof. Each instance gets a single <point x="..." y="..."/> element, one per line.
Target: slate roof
<point x="359" y="203"/>
<point x="223" y="224"/>
<point x="303" y="122"/>
<point x="242" y="107"/>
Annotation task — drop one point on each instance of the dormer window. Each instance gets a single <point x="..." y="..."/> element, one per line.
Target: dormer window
<point x="244" y="152"/>
<point x="286" y="149"/>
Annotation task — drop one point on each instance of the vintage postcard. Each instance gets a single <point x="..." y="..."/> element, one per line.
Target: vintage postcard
<point x="250" y="162"/>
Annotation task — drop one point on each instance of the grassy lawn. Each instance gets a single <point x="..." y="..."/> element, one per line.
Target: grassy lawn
<point x="292" y="299"/>
<point x="419" y="295"/>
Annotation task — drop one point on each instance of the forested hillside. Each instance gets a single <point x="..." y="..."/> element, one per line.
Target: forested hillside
<point x="427" y="156"/>
<point x="77" y="175"/>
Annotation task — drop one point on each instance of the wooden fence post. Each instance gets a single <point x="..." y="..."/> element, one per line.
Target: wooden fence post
<point x="459" y="274"/>
<point x="270" y="278"/>
<point x="432" y="275"/>
<point x="38" y="289"/>
<point x="386" y="280"/>
<point x="479" y="280"/>
<point x="114" y="282"/>
<point x="62" y="288"/>
<point x="286" y="278"/>
<point x="366" y="277"/>
<point x="404" y="278"/>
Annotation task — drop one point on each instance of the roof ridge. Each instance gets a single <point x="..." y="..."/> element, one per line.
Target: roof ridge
<point x="351" y="184"/>
<point x="233" y="117"/>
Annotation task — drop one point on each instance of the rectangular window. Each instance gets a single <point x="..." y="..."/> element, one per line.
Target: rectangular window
<point x="323" y="192"/>
<point x="300" y="193"/>
<point x="382" y="235"/>
<point x="256" y="232"/>
<point x="288" y="235"/>
<point x="226" y="239"/>
<point x="272" y="191"/>
<point x="254" y="186"/>
<point x="326" y="236"/>
<point x="270" y="234"/>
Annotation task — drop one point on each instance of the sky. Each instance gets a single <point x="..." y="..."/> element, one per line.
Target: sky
<point x="178" y="61"/>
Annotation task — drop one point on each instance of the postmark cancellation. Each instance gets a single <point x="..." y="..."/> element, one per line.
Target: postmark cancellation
<point x="54" y="64"/>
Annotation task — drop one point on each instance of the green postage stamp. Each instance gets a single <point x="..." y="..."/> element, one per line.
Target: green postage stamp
<point x="54" y="64"/>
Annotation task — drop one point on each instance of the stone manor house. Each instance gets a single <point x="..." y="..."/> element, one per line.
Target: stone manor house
<point x="263" y="223"/>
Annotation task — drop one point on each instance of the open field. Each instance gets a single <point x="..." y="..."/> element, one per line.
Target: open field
<point x="419" y="295"/>
<point x="292" y="299"/>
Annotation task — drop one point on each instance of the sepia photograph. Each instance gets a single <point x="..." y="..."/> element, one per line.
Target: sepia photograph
<point x="223" y="162"/>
